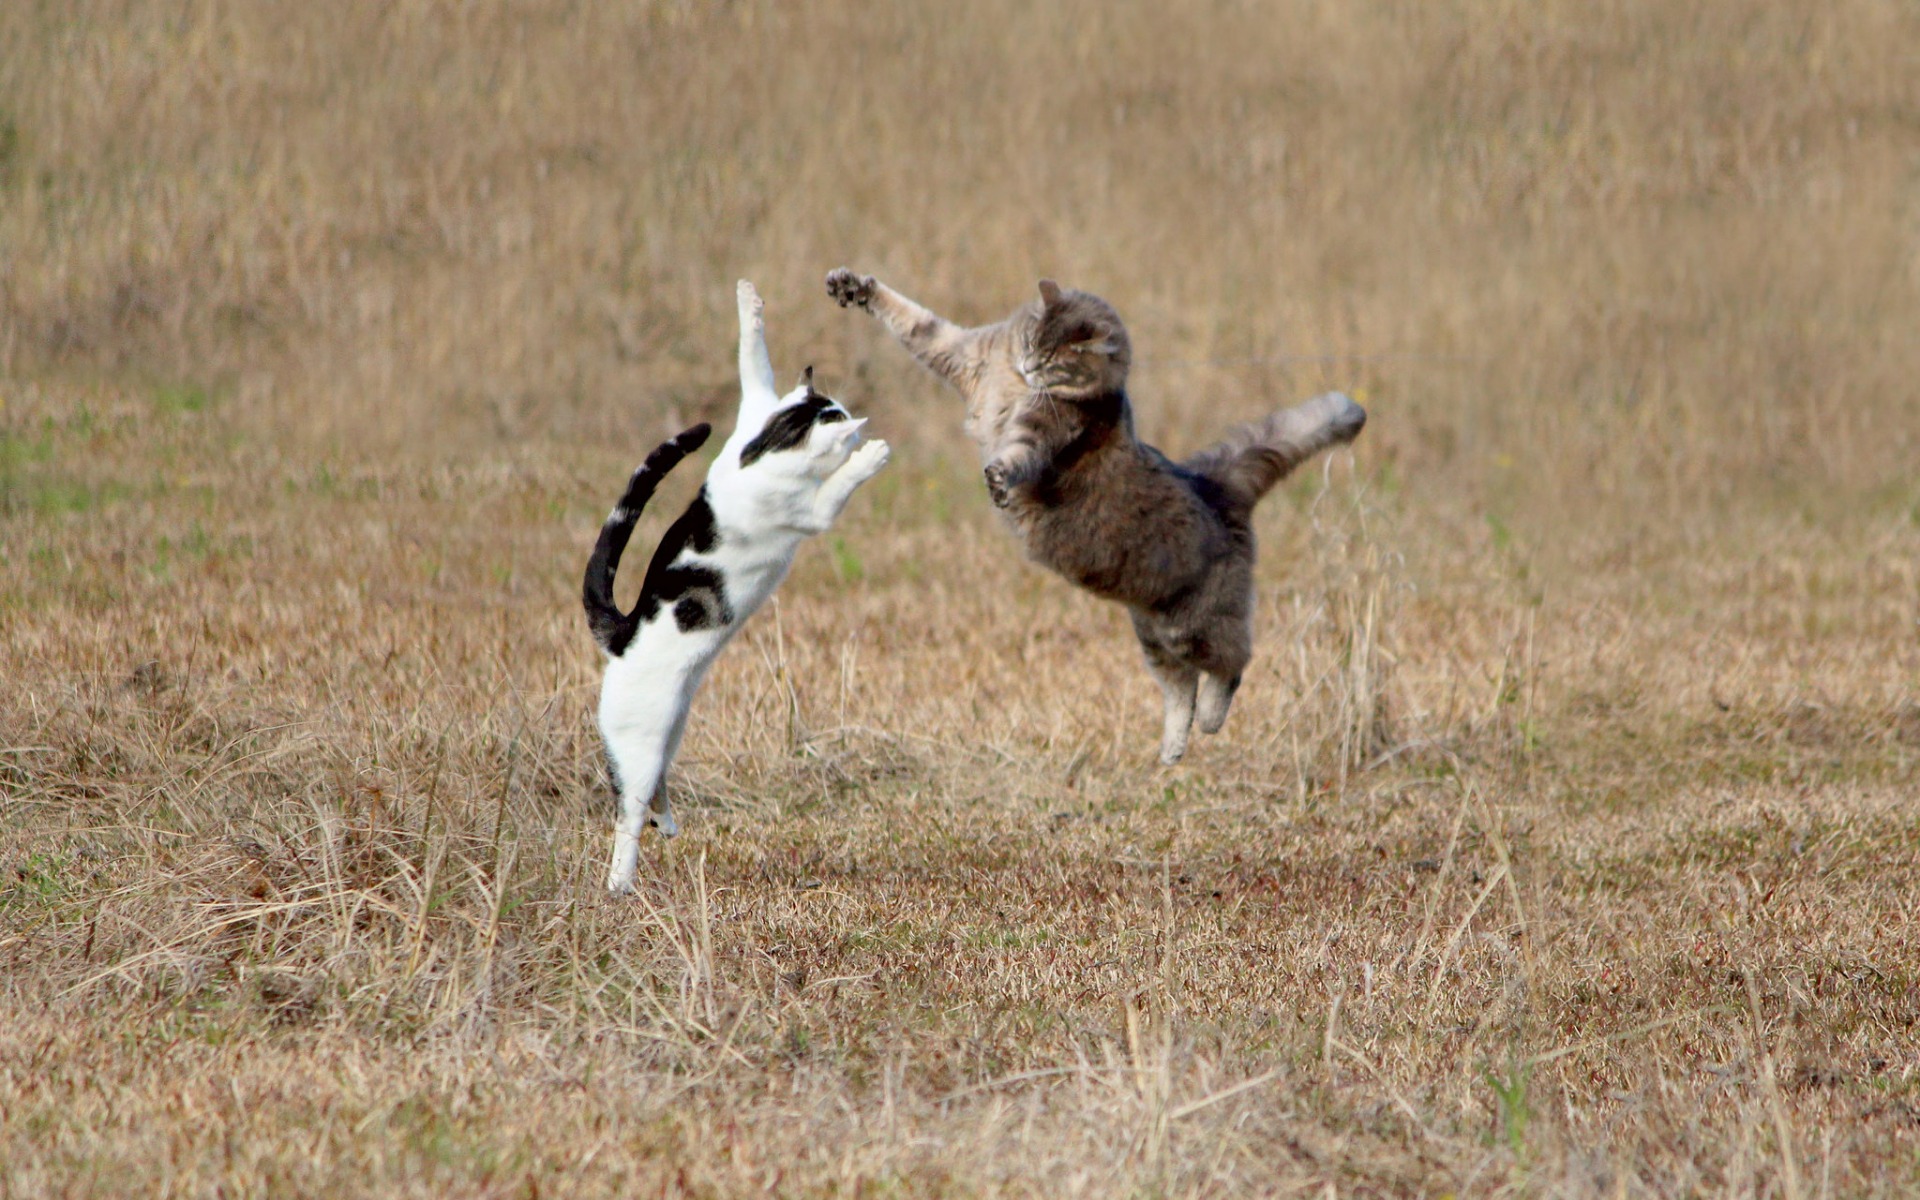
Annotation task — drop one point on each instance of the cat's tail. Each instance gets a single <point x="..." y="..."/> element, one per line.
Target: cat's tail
<point x="1255" y="456"/>
<point x="612" y="628"/>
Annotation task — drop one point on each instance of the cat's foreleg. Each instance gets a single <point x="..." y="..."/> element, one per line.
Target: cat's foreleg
<point x="937" y="342"/>
<point x="840" y="486"/>
<point x="1014" y="467"/>
<point x="758" y="391"/>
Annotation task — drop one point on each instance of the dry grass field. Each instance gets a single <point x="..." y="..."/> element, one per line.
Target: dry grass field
<point x="1564" y="838"/>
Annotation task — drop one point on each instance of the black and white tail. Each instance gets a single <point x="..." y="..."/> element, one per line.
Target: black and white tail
<point x="612" y="628"/>
<point x="1254" y="457"/>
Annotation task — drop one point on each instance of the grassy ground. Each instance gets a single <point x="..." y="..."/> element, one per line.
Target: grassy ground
<point x="1562" y="841"/>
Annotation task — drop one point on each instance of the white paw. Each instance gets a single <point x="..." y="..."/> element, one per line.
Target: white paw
<point x="870" y="457"/>
<point x="626" y="858"/>
<point x="752" y="307"/>
<point x="664" y="822"/>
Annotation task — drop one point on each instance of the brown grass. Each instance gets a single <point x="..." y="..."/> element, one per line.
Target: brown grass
<point x="1562" y="839"/>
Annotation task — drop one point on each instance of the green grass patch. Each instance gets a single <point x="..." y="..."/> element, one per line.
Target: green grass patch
<point x="178" y="399"/>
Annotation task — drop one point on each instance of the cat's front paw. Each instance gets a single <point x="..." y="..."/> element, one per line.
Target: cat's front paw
<point x="999" y="484"/>
<point x="869" y="458"/>
<point x="752" y="307"/>
<point x="849" y="289"/>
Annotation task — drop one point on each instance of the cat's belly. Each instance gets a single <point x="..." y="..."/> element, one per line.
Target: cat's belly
<point x="1138" y="558"/>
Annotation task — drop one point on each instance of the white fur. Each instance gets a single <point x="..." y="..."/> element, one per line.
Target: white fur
<point x="763" y="511"/>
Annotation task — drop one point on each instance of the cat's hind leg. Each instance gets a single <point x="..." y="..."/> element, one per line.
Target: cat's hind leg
<point x="636" y="813"/>
<point x="1216" y="697"/>
<point x="660" y="811"/>
<point x="1224" y="645"/>
<point x="638" y="719"/>
<point x="1177" y="679"/>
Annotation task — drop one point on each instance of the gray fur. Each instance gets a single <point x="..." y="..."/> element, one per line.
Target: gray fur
<point x="1047" y="405"/>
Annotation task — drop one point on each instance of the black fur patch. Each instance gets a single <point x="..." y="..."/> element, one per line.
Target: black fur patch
<point x="788" y="427"/>
<point x="612" y="628"/>
<point x="696" y="593"/>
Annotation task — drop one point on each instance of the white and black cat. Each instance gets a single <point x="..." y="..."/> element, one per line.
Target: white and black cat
<point x="789" y="468"/>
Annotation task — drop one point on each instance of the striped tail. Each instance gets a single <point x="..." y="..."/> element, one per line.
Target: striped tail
<point x="612" y="628"/>
<point x="1254" y="457"/>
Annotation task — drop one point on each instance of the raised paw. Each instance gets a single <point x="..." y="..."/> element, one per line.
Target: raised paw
<point x="752" y="308"/>
<point x="999" y="485"/>
<point x="869" y="458"/>
<point x="849" y="289"/>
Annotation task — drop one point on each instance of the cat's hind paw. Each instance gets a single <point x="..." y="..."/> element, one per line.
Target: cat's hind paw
<point x="847" y="288"/>
<point x="626" y="858"/>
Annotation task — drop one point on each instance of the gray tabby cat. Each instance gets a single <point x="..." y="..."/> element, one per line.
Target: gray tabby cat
<point x="1047" y="405"/>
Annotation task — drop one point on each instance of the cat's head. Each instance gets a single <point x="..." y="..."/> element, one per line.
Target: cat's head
<point x="808" y="433"/>
<point x="1074" y="345"/>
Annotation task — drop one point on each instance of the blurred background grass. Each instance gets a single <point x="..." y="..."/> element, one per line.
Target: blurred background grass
<point x="1614" y="264"/>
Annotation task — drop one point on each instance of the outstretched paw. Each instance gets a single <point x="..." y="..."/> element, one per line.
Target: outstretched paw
<point x="999" y="484"/>
<point x="849" y="289"/>
<point x="752" y="308"/>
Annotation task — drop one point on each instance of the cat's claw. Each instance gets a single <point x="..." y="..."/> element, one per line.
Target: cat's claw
<point x="847" y="289"/>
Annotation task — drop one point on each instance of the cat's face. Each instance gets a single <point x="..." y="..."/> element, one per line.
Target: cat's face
<point x="809" y="432"/>
<point x="1074" y="345"/>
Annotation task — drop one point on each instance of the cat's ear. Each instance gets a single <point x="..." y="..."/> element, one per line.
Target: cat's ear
<point x="806" y="379"/>
<point x="1049" y="293"/>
